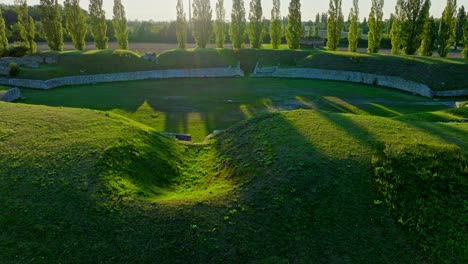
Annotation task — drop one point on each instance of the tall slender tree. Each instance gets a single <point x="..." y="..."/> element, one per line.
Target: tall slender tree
<point x="220" y="24"/>
<point x="119" y="22"/>
<point x="276" y="25"/>
<point x="256" y="25"/>
<point x="202" y="24"/>
<point x="395" y="32"/>
<point x="26" y="24"/>
<point x="3" y="37"/>
<point x="375" y="26"/>
<point x="294" y="30"/>
<point x="76" y="23"/>
<point x="353" y="36"/>
<point x="238" y="24"/>
<point x="415" y="13"/>
<point x="465" y="40"/>
<point x="97" y="17"/>
<point x="461" y="17"/>
<point x="447" y="28"/>
<point x="334" y="24"/>
<point x="52" y="21"/>
<point x="429" y="36"/>
<point x="181" y="25"/>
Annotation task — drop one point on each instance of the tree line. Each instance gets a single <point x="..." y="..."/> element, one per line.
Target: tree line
<point x="410" y="28"/>
<point x="57" y="22"/>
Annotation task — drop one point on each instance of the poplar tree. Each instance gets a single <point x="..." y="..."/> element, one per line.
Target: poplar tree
<point x="202" y="24"/>
<point x="181" y="25"/>
<point x="375" y="26"/>
<point x="465" y="40"/>
<point x="415" y="13"/>
<point x="220" y="25"/>
<point x="276" y="25"/>
<point x="97" y="17"/>
<point x="447" y="28"/>
<point x="76" y="23"/>
<point x="256" y="25"/>
<point x="461" y="17"/>
<point x="52" y="21"/>
<point x="294" y="30"/>
<point x="353" y="36"/>
<point x="119" y="22"/>
<point x="3" y="37"/>
<point x="334" y="24"/>
<point x="428" y="38"/>
<point x="238" y="24"/>
<point x="395" y="32"/>
<point x="26" y="25"/>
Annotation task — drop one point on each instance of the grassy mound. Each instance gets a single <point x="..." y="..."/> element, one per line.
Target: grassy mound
<point x="430" y="71"/>
<point x="427" y="187"/>
<point x="200" y="106"/>
<point x="427" y="70"/>
<point x="91" y="186"/>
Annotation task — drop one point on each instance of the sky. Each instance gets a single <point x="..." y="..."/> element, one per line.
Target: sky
<point x="164" y="10"/>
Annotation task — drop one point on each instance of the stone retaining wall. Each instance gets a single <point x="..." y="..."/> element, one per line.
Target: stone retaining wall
<point x="355" y="77"/>
<point x="11" y="95"/>
<point x="125" y="76"/>
<point x="348" y="76"/>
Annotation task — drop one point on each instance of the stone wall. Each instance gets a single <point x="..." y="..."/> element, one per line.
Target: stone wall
<point x="453" y="93"/>
<point x="347" y="76"/>
<point x="11" y="95"/>
<point x="125" y="76"/>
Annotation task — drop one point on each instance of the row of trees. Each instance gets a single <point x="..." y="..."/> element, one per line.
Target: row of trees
<point x="412" y="28"/>
<point x="76" y="24"/>
<point x="203" y="27"/>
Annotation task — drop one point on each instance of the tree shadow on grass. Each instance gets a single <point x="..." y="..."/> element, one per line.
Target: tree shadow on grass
<point x="304" y="198"/>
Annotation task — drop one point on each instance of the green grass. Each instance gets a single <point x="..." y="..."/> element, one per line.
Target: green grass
<point x="291" y="186"/>
<point x="200" y="106"/>
<point x="426" y="70"/>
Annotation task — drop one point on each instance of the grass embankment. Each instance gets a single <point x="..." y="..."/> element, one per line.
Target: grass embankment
<point x="81" y="185"/>
<point x="200" y="106"/>
<point x="438" y="73"/>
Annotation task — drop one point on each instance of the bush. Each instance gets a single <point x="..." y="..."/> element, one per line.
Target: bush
<point x="17" y="50"/>
<point x="427" y="188"/>
<point x="13" y="69"/>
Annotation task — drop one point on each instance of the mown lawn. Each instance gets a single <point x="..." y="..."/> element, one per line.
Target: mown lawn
<point x="200" y="106"/>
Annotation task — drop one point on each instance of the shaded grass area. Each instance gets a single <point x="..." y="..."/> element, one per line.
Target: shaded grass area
<point x="437" y="73"/>
<point x="434" y="72"/>
<point x="90" y="186"/>
<point x="200" y="106"/>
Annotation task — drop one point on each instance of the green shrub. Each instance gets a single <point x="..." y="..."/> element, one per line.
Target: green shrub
<point x="427" y="188"/>
<point x="13" y="69"/>
<point x="17" y="50"/>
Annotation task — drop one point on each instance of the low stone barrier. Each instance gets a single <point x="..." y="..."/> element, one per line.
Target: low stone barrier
<point x="454" y="93"/>
<point x="11" y="95"/>
<point x="346" y="76"/>
<point x="125" y="76"/>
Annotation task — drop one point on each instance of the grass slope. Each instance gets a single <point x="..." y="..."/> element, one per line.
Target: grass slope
<point x="431" y="71"/>
<point x="88" y="186"/>
<point x="199" y="106"/>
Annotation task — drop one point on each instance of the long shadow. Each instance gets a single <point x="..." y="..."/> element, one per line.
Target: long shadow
<point x="304" y="197"/>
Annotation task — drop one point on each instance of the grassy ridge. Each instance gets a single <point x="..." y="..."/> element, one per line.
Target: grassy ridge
<point x="91" y="186"/>
<point x="199" y="106"/>
<point x="431" y="71"/>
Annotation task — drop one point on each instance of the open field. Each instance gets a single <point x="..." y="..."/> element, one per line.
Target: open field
<point x="199" y="106"/>
<point x="143" y="48"/>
